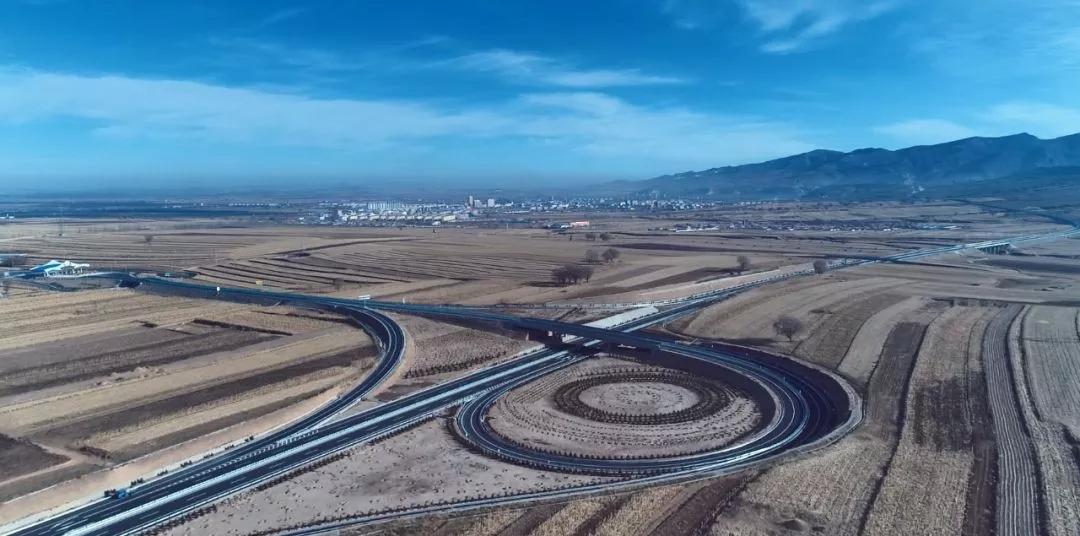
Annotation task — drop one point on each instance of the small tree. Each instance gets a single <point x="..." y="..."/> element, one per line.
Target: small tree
<point x="6" y="286"/>
<point x="611" y="255"/>
<point x="592" y="256"/>
<point x="744" y="263"/>
<point x="584" y="273"/>
<point x="787" y="326"/>
<point x="572" y="274"/>
<point x="591" y="237"/>
<point x="563" y="275"/>
<point x="148" y="238"/>
<point x="605" y="236"/>
<point x="338" y="283"/>
<point x="820" y="266"/>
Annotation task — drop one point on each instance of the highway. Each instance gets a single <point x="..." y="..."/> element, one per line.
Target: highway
<point x="802" y="414"/>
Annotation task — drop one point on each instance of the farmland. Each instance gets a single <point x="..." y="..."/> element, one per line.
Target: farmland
<point x="965" y="363"/>
<point x="937" y="453"/>
<point x="95" y="379"/>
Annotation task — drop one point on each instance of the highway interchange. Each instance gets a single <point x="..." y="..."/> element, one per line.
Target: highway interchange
<point x="804" y="413"/>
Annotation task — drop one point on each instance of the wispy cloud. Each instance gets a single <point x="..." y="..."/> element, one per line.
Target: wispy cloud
<point x="603" y="125"/>
<point x="793" y="25"/>
<point x="1001" y="38"/>
<point x="123" y="106"/>
<point x="281" y="15"/>
<point x="251" y="53"/>
<point x="785" y="26"/>
<point x="526" y="68"/>
<point x="589" y="123"/>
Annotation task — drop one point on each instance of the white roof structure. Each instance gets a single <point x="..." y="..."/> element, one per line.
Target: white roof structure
<point x="54" y="268"/>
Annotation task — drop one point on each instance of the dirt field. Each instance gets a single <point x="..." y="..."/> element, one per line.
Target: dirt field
<point x="92" y="379"/>
<point x="1055" y="445"/>
<point x="532" y="416"/>
<point x="446" y="349"/>
<point x="421" y="465"/>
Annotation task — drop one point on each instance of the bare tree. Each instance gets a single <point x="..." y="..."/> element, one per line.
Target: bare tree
<point x="585" y="272"/>
<point x="6" y="286"/>
<point x="820" y="266"/>
<point x="591" y="237"/>
<point x="787" y="326"/>
<point x="148" y="238"/>
<point x="338" y="283"/>
<point x="611" y="255"/>
<point x="562" y="274"/>
<point x="592" y="256"/>
<point x="572" y="274"/>
<point x="605" y="236"/>
<point x="744" y="263"/>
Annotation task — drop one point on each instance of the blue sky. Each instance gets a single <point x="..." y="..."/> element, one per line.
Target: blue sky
<point x="480" y="91"/>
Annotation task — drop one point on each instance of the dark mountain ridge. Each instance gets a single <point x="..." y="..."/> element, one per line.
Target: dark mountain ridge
<point x="874" y="172"/>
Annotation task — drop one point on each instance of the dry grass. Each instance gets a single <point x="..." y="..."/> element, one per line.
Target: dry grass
<point x="639" y="514"/>
<point x="1058" y="467"/>
<point x="528" y="415"/>
<point x="833" y="488"/>
<point x="828" y="343"/>
<point x="924" y="490"/>
<point x="571" y="517"/>
<point x="1053" y="349"/>
<point x="812" y="301"/>
<point x="444" y="348"/>
<point x="124" y="374"/>
<point x="491" y="524"/>
<point x="863" y="352"/>
<point x="420" y="465"/>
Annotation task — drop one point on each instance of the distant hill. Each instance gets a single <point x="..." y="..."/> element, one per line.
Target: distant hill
<point x="921" y="171"/>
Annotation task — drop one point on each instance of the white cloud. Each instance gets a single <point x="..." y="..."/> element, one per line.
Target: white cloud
<point x="281" y="15"/>
<point x="793" y="25"/>
<point x="194" y="110"/>
<point x="1038" y="118"/>
<point x="925" y="131"/>
<point x="1001" y="38"/>
<point x="528" y="68"/>
<point x="786" y="26"/>
<point x="603" y="125"/>
<point x="593" y="124"/>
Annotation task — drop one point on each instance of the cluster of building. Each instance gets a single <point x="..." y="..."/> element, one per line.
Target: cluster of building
<point x="809" y="225"/>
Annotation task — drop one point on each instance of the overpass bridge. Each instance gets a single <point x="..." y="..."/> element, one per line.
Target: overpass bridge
<point x="1000" y="248"/>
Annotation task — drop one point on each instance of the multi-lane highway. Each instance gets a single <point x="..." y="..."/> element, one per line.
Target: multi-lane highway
<point x="803" y="411"/>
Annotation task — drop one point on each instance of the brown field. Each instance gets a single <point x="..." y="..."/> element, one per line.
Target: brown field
<point x="924" y="490"/>
<point x="937" y="452"/>
<point x="93" y="379"/>
<point x="528" y="416"/>
<point x="442" y="348"/>
<point x="970" y="417"/>
<point x="1055" y="444"/>
<point x="423" y="464"/>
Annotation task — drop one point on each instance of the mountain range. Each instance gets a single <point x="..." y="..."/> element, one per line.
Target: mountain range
<point x="872" y="173"/>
